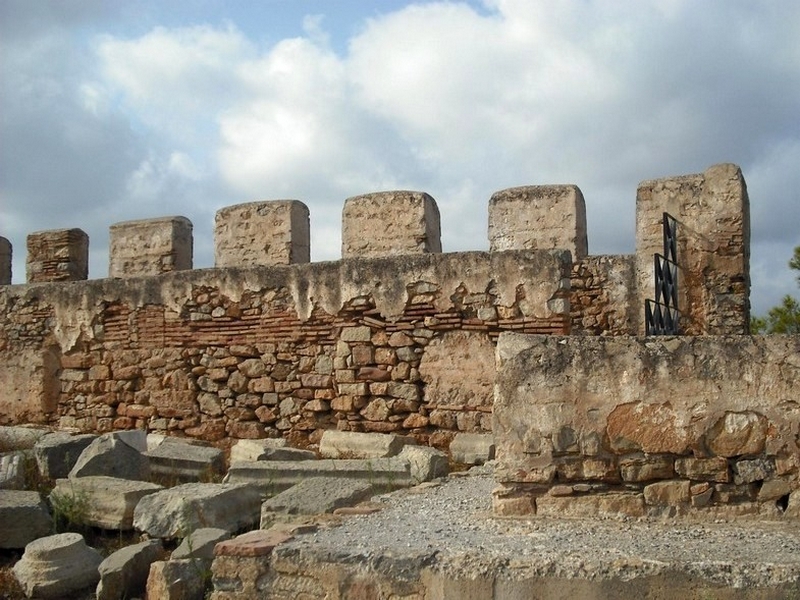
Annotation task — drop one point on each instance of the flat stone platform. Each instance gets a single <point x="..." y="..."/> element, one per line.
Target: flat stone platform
<point x="441" y="542"/>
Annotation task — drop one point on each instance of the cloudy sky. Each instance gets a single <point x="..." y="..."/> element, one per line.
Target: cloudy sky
<point x="113" y="110"/>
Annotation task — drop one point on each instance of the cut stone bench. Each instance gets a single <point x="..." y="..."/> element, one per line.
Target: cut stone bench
<point x="57" y="565"/>
<point x="110" y="501"/>
<point x="174" y="512"/>
<point x="14" y="437"/>
<point x="24" y="518"/>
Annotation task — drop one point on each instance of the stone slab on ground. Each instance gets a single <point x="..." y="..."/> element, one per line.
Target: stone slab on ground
<point x="185" y="462"/>
<point x="249" y="450"/>
<point x="57" y="566"/>
<point x="123" y="574"/>
<point x="273" y="477"/>
<point x="351" y="444"/>
<point x="472" y="448"/>
<point x="118" y="454"/>
<point x="444" y="544"/>
<point x="23" y="518"/>
<point x="56" y="453"/>
<point x="109" y="501"/>
<point x="315" y="496"/>
<point x="174" y="512"/>
<point x="200" y="543"/>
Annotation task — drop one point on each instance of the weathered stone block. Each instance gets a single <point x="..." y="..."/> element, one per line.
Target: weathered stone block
<point x="57" y="453"/>
<point x="646" y="468"/>
<point x="173" y="512"/>
<point x="425" y="463"/>
<point x="109" y="501"/>
<point x="538" y="217"/>
<point x="24" y="517"/>
<point x="472" y="448"/>
<point x="410" y="224"/>
<point x="349" y="444"/>
<point x="12" y="471"/>
<point x="703" y="469"/>
<point x="57" y="255"/>
<point x="186" y="462"/>
<point x="117" y="454"/>
<point x="262" y="233"/>
<point x="669" y="493"/>
<point x="57" y="566"/>
<point x="123" y="574"/>
<point x="150" y="247"/>
<point x="313" y="496"/>
<point x="200" y="543"/>
<point x="175" y="580"/>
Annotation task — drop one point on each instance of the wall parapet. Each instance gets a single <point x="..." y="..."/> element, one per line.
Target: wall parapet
<point x="648" y="426"/>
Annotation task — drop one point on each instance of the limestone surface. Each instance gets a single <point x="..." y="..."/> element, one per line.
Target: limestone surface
<point x="200" y="543"/>
<point x="109" y="501"/>
<point x="23" y="518"/>
<point x="57" y="565"/>
<point x="56" y="453"/>
<point x="472" y="448"/>
<point x="119" y="454"/>
<point x="176" y="580"/>
<point x="174" y="512"/>
<point x="12" y="471"/>
<point x="348" y="444"/>
<point x="314" y="496"/>
<point x="123" y="574"/>
<point x="185" y="462"/>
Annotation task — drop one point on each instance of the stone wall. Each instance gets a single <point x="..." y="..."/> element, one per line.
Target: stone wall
<point x="713" y="213"/>
<point x="395" y="337"/>
<point x="359" y="344"/>
<point x="647" y="426"/>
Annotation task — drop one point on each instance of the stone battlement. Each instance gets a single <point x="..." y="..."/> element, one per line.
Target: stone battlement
<point x="394" y="337"/>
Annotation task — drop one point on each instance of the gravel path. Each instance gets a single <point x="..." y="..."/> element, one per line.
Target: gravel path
<point x="452" y="525"/>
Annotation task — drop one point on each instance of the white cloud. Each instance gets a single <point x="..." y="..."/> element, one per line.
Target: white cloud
<point x="447" y="97"/>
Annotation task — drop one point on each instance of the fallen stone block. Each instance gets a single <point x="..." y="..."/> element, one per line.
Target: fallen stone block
<point x="472" y="448"/>
<point x="174" y="512"/>
<point x="13" y="437"/>
<point x="118" y="454"/>
<point x="177" y="580"/>
<point x="249" y="450"/>
<point x="200" y="543"/>
<point x="56" y="453"/>
<point x="109" y="501"/>
<point x="350" y="444"/>
<point x="57" y="565"/>
<point x="12" y="471"/>
<point x="273" y="477"/>
<point x="315" y="496"/>
<point x="425" y="463"/>
<point x="23" y="518"/>
<point x="124" y="573"/>
<point x="184" y="462"/>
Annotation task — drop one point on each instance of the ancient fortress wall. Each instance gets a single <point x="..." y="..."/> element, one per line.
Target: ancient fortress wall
<point x="656" y="426"/>
<point x="395" y="337"/>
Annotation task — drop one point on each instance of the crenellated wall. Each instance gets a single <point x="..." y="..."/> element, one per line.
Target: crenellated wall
<point x="395" y="337"/>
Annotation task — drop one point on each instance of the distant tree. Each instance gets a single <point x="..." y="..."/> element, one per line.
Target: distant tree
<point x="784" y="318"/>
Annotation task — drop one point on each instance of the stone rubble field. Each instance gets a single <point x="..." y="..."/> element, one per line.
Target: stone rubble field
<point x="383" y="519"/>
<point x="175" y="495"/>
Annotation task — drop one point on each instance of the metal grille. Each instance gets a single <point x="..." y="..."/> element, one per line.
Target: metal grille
<point x="661" y="316"/>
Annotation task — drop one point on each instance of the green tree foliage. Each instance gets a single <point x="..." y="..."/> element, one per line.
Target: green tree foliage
<point x="784" y="318"/>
